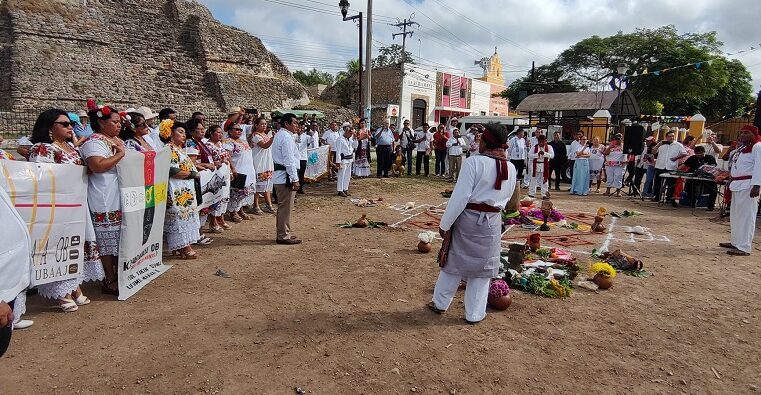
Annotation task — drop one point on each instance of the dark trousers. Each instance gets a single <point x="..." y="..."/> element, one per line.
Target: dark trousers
<point x="422" y="158"/>
<point x="5" y="334"/>
<point x="670" y="182"/>
<point x="519" y="165"/>
<point x="408" y="154"/>
<point x="693" y="188"/>
<point x="639" y="172"/>
<point x="383" y="152"/>
<point x="302" y="170"/>
<point x="557" y="168"/>
<point x="441" y="162"/>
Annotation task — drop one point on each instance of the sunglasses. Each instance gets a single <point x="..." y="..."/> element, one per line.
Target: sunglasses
<point x="238" y="129"/>
<point x="65" y="124"/>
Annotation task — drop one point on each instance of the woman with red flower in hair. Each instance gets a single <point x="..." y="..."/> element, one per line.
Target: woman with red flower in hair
<point x="52" y="139"/>
<point x="102" y="151"/>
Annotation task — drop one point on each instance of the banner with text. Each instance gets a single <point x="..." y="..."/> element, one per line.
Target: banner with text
<point x="143" y="179"/>
<point x="215" y="185"/>
<point x="317" y="163"/>
<point x="52" y="199"/>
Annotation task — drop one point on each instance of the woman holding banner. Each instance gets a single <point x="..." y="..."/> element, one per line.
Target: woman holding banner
<point x="135" y="134"/>
<point x="102" y="151"/>
<point x="261" y="141"/>
<point x="181" y="224"/>
<point x="51" y="137"/>
<point x="243" y="184"/>
<point x="220" y="156"/>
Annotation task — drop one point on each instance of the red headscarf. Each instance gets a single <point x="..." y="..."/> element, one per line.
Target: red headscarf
<point x="497" y="154"/>
<point x="750" y="128"/>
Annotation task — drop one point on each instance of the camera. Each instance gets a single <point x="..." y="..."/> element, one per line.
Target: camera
<point x="589" y="144"/>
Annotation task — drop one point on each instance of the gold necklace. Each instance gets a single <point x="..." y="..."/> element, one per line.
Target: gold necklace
<point x="64" y="147"/>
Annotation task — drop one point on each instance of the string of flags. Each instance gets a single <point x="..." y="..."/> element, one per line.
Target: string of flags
<point x="666" y="118"/>
<point x="697" y="65"/>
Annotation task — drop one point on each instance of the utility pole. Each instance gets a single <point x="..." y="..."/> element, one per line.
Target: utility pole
<point x="369" y="63"/>
<point x="533" y="87"/>
<point x="404" y="33"/>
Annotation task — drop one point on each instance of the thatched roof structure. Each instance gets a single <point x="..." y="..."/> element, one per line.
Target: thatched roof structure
<point x="582" y="103"/>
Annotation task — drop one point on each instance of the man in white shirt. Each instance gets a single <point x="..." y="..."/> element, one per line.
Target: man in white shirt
<point x="15" y="265"/>
<point x="455" y="146"/>
<point x="516" y="148"/>
<point x="745" y="184"/>
<point x="575" y="147"/>
<point x="345" y="147"/>
<point x="285" y="156"/>
<point x="453" y="125"/>
<point x="303" y="142"/>
<point x="667" y="152"/>
<point x="712" y="147"/>
<point x="329" y="137"/>
<point x="384" y="140"/>
<point x="314" y="135"/>
<point x="471" y="227"/>
<point x="539" y="163"/>
<point x="531" y="142"/>
<point x="422" y="146"/>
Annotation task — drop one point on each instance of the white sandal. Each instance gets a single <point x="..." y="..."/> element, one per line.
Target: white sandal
<point x="69" y="306"/>
<point x="81" y="300"/>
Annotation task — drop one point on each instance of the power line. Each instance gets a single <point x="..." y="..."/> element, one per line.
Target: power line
<point x="492" y="32"/>
<point x="409" y="3"/>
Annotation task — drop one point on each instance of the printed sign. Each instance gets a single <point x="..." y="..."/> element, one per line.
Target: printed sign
<point x="143" y="179"/>
<point x="52" y="200"/>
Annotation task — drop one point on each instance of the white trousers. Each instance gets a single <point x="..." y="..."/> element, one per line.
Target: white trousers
<point x="527" y="173"/>
<point x="615" y="176"/>
<point x="537" y="180"/>
<point x="476" y="294"/>
<point x="742" y="219"/>
<point x="344" y="177"/>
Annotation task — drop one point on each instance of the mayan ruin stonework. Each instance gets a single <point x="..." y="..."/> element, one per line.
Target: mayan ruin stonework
<point x="132" y="53"/>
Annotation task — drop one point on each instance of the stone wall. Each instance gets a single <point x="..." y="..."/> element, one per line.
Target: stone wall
<point x="135" y="52"/>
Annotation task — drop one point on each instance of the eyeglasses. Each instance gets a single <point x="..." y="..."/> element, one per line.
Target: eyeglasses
<point x="65" y="124"/>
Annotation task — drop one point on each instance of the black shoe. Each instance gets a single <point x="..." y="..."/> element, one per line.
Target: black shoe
<point x="300" y="192"/>
<point x="347" y="193"/>
<point x="674" y="204"/>
<point x="341" y="194"/>
<point x="431" y="306"/>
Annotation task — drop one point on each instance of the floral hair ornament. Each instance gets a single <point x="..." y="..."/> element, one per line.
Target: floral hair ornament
<point x="103" y="110"/>
<point x="165" y="128"/>
<point x="125" y="116"/>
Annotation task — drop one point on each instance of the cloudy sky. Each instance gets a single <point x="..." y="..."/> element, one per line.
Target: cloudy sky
<point x="454" y="33"/>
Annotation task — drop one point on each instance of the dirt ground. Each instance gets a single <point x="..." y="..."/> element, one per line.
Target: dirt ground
<point x="344" y="313"/>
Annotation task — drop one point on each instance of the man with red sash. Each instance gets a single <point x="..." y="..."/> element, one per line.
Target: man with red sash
<point x="745" y="182"/>
<point x="539" y="160"/>
<point x="472" y="226"/>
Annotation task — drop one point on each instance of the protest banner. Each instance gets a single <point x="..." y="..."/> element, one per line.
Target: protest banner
<point x="143" y="179"/>
<point x="215" y="185"/>
<point x="52" y="200"/>
<point x="317" y="163"/>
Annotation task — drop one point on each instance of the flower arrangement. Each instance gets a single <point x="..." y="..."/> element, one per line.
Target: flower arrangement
<point x="427" y="236"/>
<point x="604" y="269"/>
<point x="498" y="288"/>
<point x="165" y="128"/>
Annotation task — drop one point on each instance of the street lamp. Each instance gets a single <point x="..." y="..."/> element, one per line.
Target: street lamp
<point x="344" y="6"/>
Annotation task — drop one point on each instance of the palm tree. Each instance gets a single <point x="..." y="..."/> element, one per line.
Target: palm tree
<point x="352" y="67"/>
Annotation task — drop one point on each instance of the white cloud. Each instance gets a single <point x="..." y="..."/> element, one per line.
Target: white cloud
<point x="304" y="37"/>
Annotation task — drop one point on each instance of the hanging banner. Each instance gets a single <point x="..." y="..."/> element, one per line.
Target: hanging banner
<point x="317" y="163"/>
<point x="52" y="200"/>
<point x="215" y="185"/>
<point x="143" y="179"/>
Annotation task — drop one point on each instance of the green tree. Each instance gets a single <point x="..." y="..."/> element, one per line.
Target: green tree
<point x="314" y="77"/>
<point x="651" y="107"/>
<point x="591" y="63"/>
<point x="547" y="79"/>
<point x="391" y="55"/>
<point x="352" y="67"/>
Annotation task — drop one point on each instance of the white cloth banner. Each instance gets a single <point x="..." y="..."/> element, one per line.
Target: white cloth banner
<point x="143" y="179"/>
<point x="52" y="200"/>
<point x="215" y="185"/>
<point x="317" y="163"/>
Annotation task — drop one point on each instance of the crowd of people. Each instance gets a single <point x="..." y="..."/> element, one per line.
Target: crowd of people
<point x="267" y="159"/>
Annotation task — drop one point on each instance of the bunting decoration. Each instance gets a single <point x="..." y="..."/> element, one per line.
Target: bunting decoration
<point x="666" y="118"/>
<point x="697" y="65"/>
